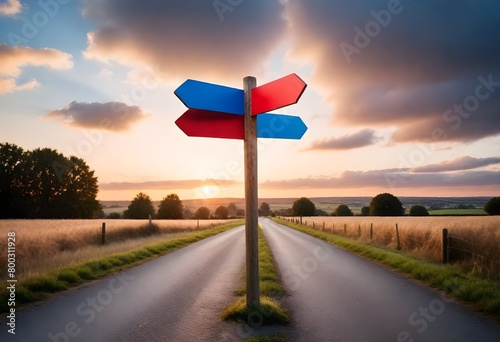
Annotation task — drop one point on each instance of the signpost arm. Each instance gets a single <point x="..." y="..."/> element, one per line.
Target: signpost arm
<point x="251" y="197"/>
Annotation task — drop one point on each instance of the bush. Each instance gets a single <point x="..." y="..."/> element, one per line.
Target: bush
<point x="492" y="207"/>
<point x="418" y="210"/>
<point x="365" y="211"/>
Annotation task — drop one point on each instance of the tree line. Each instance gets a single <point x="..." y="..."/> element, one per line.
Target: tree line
<point x="384" y="204"/>
<point x="45" y="184"/>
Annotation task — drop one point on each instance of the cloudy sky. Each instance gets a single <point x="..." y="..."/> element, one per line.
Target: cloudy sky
<point x="402" y="97"/>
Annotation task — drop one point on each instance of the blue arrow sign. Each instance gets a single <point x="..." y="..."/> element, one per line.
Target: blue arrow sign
<point x="279" y="126"/>
<point x="209" y="96"/>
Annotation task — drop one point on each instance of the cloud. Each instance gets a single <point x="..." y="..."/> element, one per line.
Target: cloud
<point x="409" y="66"/>
<point x="8" y="85"/>
<point x="14" y="58"/>
<point x="10" y="7"/>
<point x="165" y="184"/>
<point x="109" y="116"/>
<point x="358" y="139"/>
<point x="462" y="163"/>
<point x="390" y="178"/>
<point x="104" y="73"/>
<point x="189" y="38"/>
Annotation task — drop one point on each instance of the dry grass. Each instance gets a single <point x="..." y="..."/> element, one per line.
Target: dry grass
<point x="44" y="245"/>
<point x="419" y="236"/>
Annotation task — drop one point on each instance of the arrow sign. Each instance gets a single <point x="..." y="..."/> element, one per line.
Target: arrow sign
<point x="279" y="126"/>
<point x="211" y="97"/>
<point x="276" y="94"/>
<point x="209" y="124"/>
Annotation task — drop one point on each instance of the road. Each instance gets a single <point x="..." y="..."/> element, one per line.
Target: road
<point x="335" y="295"/>
<point x="176" y="297"/>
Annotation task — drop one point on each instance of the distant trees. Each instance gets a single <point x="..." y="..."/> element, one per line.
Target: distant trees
<point x="170" y="208"/>
<point x="45" y="184"/>
<point x="140" y="207"/>
<point x="343" y="210"/>
<point x="221" y="212"/>
<point x="418" y="210"/>
<point x="492" y="207"/>
<point x="303" y="207"/>
<point x="265" y="209"/>
<point x="202" y="213"/>
<point x="386" y="205"/>
<point x="232" y="209"/>
<point x="365" y="211"/>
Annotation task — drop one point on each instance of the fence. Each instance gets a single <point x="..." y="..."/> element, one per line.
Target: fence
<point x="456" y="249"/>
<point x="448" y="249"/>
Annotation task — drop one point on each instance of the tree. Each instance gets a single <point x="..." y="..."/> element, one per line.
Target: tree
<point x="45" y="184"/>
<point x="202" y="213"/>
<point x="170" y="208"/>
<point x="222" y="212"/>
<point x="140" y="207"/>
<point x="232" y="210"/>
<point x="303" y="207"/>
<point x="492" y="207"/>
<point x="418" y="210"/>
<point x="365" y="211"/>
<point x="265" y="209"/>
<point x="343" y="210"/>
<point x="386" y="205"/>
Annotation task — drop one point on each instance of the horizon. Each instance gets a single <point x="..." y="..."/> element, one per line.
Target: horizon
<point x="402" y="97"/>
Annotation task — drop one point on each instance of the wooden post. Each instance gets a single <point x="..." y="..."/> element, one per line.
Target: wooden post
<point x="301" y="220"/>
<point x="345" y="229"/>
<point x="445" y="246"/>
<point x="198" y="224"/>
<point x="150" y="226"/>
<point x="323" y="226"/>
<point x="251" y="198"/>
<point x="313" y="225"/>
<point x="398" y="245"/>
<point x="103" y="236"/>
<point x="371" y="231"/>
<point x="359" y="230"/>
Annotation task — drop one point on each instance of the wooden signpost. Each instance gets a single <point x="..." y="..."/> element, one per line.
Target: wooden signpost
<point x="217" y="111"/>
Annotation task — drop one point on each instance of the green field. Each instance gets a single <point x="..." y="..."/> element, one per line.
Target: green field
<point x="477" y="211"/>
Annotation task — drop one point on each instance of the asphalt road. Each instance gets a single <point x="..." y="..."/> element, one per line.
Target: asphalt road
<point x="177" y="297"/>
<point x="337" y="296"/>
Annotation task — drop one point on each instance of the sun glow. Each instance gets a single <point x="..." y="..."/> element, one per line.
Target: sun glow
<point x="208" y="191"/>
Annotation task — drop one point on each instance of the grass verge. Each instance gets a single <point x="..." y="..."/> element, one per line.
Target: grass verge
<point x="481" y="294"/>
<point x="269" y="311"/>
<point x="41" y="287"/>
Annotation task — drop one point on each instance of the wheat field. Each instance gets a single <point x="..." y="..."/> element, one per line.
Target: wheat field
<point x="419" y="236"/>
<point x="43" y="245"/>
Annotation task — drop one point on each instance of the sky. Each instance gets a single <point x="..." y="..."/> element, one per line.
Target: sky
<point x="402" y="96"/>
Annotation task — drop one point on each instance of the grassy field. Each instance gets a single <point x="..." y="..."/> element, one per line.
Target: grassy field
<point x="464" y="212"/>
<point x="43" y="245"/>
<point x="420" y="236"/>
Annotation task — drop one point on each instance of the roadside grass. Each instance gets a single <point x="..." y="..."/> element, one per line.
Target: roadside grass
<point x="481" y="294"/>
<point x="269" y="311"/>
<point x="279" y="337"/>
<point x="40" y="287"/>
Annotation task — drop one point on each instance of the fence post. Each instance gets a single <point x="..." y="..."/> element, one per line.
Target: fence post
<point x="198" y="224"/>
<point x="150" y="226"/>
<point x="445" y="246"/>
<point x="323" y="225"/>
<point x="371" y="231"/>
<point x="103" y="236"/>
<point x="345" y="229"/>
<point x="359" y="230"/>
<point x="301" y="220"/>
<point x="398" y="247"/>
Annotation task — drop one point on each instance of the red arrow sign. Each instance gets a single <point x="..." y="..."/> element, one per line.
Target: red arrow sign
<point x="276" y="94"/>
<point x="208" y="124"/>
